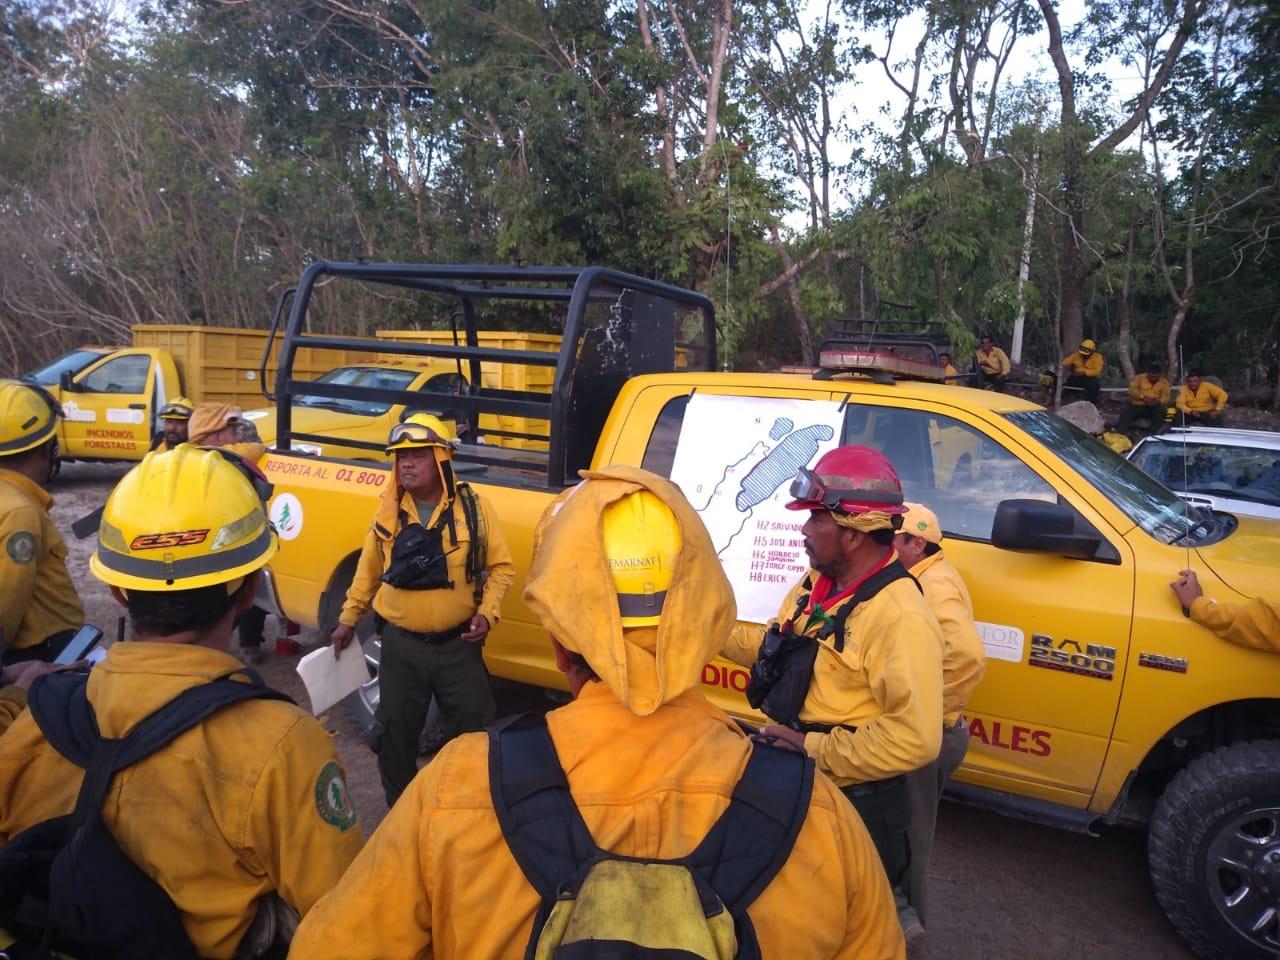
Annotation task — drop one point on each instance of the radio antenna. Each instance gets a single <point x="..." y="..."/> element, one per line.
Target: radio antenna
<point x="1186" y="484"/>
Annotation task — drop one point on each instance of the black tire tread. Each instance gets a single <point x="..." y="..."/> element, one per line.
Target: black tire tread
<point x="1207" y="775"/>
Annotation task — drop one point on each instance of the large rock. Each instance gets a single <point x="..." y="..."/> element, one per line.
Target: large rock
<point x="1084" y="415"/>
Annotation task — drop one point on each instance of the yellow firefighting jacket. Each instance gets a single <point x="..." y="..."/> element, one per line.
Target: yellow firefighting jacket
<point x="1255" y="624"/>
<point x="13" y="700"/>
<point x="248" y="802"/>
<point x="887" y="682"/>
<point x="1142" y="391"/>
<point x="438" y="881"/>
<point x="964" y="661"/>
<point x="1203" y="400"/>
<point x="997" y="361"/>
<point x="428" y="611"/>
<point x="37" y="598"/>
<point x="1078" y="365"/>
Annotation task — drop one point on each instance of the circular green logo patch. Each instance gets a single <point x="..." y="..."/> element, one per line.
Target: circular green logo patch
<point x="331" y="798"/>
<point x="21" y="547"/>
<point x="922" y="525"/>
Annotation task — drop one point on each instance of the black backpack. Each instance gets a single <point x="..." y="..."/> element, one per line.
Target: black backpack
<point x="598" y="905"/>
<point x="65" y="884"/>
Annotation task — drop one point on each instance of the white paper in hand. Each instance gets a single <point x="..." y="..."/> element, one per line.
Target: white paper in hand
<point x="328" y="680"/>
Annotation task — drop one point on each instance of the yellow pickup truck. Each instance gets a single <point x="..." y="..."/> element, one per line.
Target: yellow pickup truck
<point x="111" y="396"/>
<point x="1102" y="704"/>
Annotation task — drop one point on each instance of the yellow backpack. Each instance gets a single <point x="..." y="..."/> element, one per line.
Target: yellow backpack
<point x="598" y="905"/>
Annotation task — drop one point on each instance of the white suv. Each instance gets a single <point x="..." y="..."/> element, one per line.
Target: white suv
<point x="1234" y="471"/>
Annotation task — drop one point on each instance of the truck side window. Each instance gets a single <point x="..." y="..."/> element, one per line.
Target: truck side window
<point x="660" y="452"/>
<point x="127" y="374"/>
<point x="957" y="471"/>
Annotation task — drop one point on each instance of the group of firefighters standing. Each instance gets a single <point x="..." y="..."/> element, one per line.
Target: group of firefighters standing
<point x="540" y="835"/>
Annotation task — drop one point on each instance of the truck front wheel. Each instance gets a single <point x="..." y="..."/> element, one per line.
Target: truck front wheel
<point x="1214" y="852"/>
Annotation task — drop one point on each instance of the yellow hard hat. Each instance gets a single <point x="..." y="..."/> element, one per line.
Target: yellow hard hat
<point x="421" y="430"/>
<point x="641" y="542"/>
<point x="179" y="408"/>
<point x="920" y="521"/>
<point x="1087" y="346"/>
<point x="182" y="519"/>
<point x="28" y="416"/>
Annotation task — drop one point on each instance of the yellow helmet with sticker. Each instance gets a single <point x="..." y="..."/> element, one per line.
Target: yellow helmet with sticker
<point x="182" y="519"/>
<point x="642" y="540"/>
<point x="421" y="430"/>
<point x="28" y="416"/>
<point x="1087" y="347"/>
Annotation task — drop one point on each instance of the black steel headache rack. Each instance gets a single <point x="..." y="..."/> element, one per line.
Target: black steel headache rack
<point x="615" y="326"/>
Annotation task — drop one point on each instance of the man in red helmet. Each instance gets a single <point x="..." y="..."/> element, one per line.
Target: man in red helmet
<point x="852" y="669"/>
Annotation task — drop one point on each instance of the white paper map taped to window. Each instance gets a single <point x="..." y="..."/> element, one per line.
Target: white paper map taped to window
<point x="735" y="461"/>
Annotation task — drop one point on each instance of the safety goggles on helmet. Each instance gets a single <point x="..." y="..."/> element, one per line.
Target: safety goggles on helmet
<point x="808" y="487"/>
<point x="176" y="411"/>
<point x="416" y="433"/>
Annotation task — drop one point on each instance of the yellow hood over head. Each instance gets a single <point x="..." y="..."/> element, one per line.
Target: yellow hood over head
<point x="572" y="591"/>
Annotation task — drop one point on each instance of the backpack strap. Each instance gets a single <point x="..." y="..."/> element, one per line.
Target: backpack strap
<point x="754" y="836"/>
<point x="479" y="539"/>
<point x="866" y="590"/>
<point x="541" y="823"/>
<point x="60" y="706"/>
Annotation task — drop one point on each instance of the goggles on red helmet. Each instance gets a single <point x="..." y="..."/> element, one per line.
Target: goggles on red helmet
<point x="808" y="487"/>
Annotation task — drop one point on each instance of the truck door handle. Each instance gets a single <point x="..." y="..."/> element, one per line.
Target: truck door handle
<point x="137" y="406"/>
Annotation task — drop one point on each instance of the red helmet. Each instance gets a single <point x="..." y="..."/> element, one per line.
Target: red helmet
<point x="849" y="479"/>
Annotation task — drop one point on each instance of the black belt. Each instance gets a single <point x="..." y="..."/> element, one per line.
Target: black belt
<point x="804" y="727"/>
<point x="443" y="637"/>
<point x="874" y="786"/>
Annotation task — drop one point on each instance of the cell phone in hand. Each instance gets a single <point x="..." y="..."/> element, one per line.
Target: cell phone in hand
<point x="86" y="639"/>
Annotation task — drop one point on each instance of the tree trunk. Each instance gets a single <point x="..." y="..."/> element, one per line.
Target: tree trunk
<point x="804" y="332"/>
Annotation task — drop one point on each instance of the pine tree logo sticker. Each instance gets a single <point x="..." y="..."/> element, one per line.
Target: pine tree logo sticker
<point x="286" y="516"/>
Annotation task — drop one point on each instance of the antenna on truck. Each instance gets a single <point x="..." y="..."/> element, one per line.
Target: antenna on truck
<point x="1186" y="484"/>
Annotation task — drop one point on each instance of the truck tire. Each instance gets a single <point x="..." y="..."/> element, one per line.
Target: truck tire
<point x="1214" y="852"/>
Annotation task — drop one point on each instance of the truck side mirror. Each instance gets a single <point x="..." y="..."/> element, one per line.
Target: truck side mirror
<point x="1036" y="526"/>
<point x="64" y="381"/>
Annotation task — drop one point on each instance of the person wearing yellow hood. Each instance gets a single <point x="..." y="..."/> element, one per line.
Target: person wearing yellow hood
<point x="435" y="566"/>
<point x="852" y="669"/>
<point x="174" y="419"/>
<point x="919" y="546"/>
<point x="1084" y="370"/>
<point x="240" y="813"/>
<point x="626" y="580"/>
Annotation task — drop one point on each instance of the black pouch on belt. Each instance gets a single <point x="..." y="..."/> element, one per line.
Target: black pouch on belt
<point x="418" y="560"/>
<point x="780" y="677"/>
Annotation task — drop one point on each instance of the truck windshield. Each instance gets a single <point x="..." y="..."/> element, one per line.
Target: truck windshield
<point x="72" y="363"/>
<point x="1243" y="473"/>
<point x="1144" y="500"/>
<point x="359" y="377"/>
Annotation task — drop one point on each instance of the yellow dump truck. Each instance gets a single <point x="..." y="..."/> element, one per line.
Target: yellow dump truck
<point x="111" y="396"/>
<point x="1102" y="703"/>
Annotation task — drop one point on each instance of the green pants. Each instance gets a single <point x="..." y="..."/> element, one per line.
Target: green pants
<point x="410" y="673"/>
<point x="885" y="809"/>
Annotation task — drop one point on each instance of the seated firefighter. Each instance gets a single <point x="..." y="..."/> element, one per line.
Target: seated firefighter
<point x="209" y="811"/>
<point x="487" y="852"/>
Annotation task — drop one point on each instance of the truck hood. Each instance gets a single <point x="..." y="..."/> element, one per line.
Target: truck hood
<point x="1248" y="559"/>
<point x="308" y="420"/>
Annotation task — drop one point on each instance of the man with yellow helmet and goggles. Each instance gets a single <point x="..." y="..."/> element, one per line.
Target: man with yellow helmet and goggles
<point x="175" y="416"/>
<point x="1084" y="370"/>
<point x="241" y="814"/>
<point x="39" y="607"/>
<point x="434" y="567"/>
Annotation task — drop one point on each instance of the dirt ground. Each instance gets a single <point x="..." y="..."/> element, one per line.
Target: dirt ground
<point x="1001" y="888"/>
